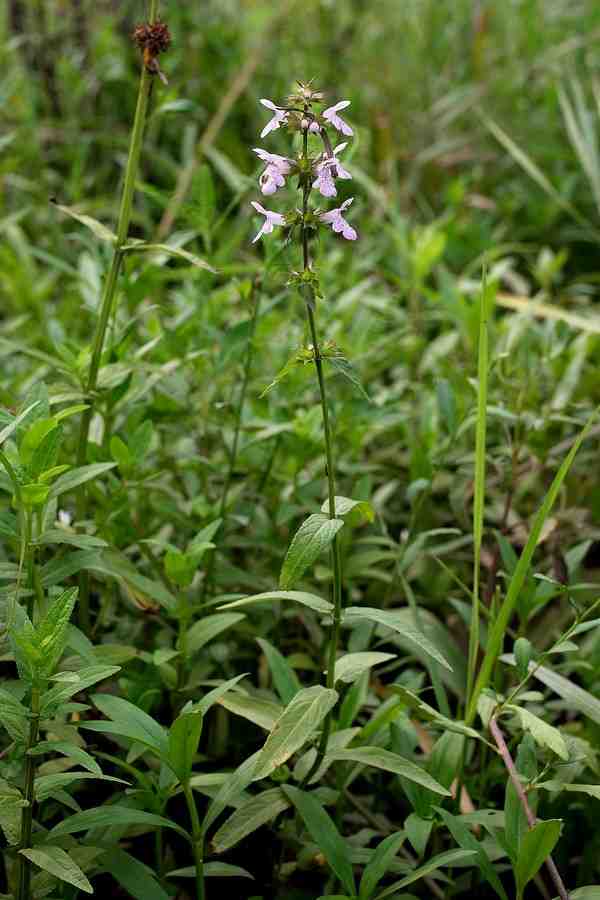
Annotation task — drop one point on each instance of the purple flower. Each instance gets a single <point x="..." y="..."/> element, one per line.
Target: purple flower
<point x="271" y="219"/>
<point x="279" y="118"/>
<point x="331" y="115"/>
<point x="277" y="167"/>
<point x="327" y="169"/>
<point x="337" y="221"/>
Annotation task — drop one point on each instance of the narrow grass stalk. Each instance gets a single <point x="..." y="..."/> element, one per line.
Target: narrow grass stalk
<point x="514" y="777"/>
<point x="24" y="865"/>
<point x="107" y="301"/>
<point x="498" y="629"/>
<point x="249" y="358"/>
<point x="197" y="840"/>
<point x="479" y="490"/>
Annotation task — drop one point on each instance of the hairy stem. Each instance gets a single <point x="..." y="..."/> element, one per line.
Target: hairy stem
<point x="24" y="865"/>
<point x="197" y="840"/>
<point x="514" y="777"/>
<point x="107" y="302"/>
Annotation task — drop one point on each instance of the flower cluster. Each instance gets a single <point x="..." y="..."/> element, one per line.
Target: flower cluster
<point x="318" y="172"/>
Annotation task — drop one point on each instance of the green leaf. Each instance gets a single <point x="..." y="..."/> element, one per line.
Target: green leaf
<point x="263" y="713"/>
<point x="312" y="538"/>
<point x="231" y="789"/>
<point x="60" y="864"/>
<point x="129" y="721"/>
<point x="14" y="716"/>
<point x="498" y="630"/>
<point x="347" y="370"/>
<point x="178" y="252"/>
<point x="311" y="600"/>
<point x="213" y="696"/>
<point x="360" y="509"/>
<point x="206" y="629"/>
<point x="112" y="817"/>
<point x="591" y="892"/>
<point x="79" y="681"/>
<point x="137" y="879"/>
<point x="253" y="814"/>
<point x="51" y="633"/>
<point x="379" y="758"/>
<point x="75" y="477"/>
<point x="10" y="429"/>
<point x="577" y="698"/>
<point x="72" y="751"/>
<point x="430" y="714"/>
<point x="545" y="735"/>
<point x="49" y="785"/>
<point x="418" y="832"/>
<point x="212" y="870"/>
<point x="449" y="858"/>
<point x="294" y="727"/>
<point x="323" y="831"/>
<point x="284" y="678"/>
<point x="72" y="538"/>
<point x="100" y="230"/>
<point x="467" y="841"/>
<point x="378" y="865"/>
<point x="351" y="666"/>
<point x="117" y="566"/>
<point x="12" y="803"/>
<point x="184" y="736"/>
<point x="392" y="619"/>
<point x="538" y="843"/>
<point x="592" y="790"/>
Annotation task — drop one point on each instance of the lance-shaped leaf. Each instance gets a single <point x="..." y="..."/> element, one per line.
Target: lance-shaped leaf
<point x="379" y="758"/>
<point x="177" y="252"/>
<point x="537" y="845"/>
<point x="430" y="714"/>
<point x="312" y="601"/>
<point x="9" y="429"/>
<point x="113" y="816"/>
<point x="358" y="509"/>
<point x="127" y="720"/>
<point x="351" y="666"/>
<point x="60" y="864"/>
<point x="204" y="630"/>
<point x="294" y="727"/>
<point x="450" y="858"/>
<point x="75" y="477"/>
<point x="312" y="538"/>
<point x="543" y="734"/>
<point x="100" y="230"/>
<point x="397" y="622"/>
<point x="253" y="814"/>
<point x="184" y="736"/>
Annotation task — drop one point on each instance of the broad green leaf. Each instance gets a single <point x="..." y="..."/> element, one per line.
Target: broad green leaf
<point x="48" y="785"/>
<point x="377" y="867"/>
<point x="14" y="716"/>
<point x="392" y="619"/>
<point x="184" y="736"/>
<point x="501" y="622"/>
<point x="254" y="813"/>
<point x="379" y="758"/>
<point x="450" y="858"/>
<point x="418" y="832"/>
<point x="112" y="817"/>
<point x="284" y="678"/>
<point x="295" y="726"/>
<point x="204" y="630"/>
<point x="545" y="735"/>
<point x="51" y="633"/>
<point x="312" y="538"/>
<point x="311" y="600"/>
<point x="138" y="879"/>
<point x="362" y="509"/>
<point x="351" y="666"/>
<point x="262" y="712"/>
<point x="177" y="252"/>
<point x="72" y="751"/>
<point x="75" y="477"/>
<point x="538" y="843"/>
<point x="231" y="789"/>
<point x="213" y="696"/>
<point x="467" y="841"/>
<point x="129" y="721"/>
<point x="323" y="831"/>
<point x="82" y="680"/>
<point x="12" y="803"/>
<point x="60" y="864"/>
<point x="100" y="230"/>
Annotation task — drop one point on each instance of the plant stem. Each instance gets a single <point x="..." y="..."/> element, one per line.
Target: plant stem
<point x="335" y="546"/>
<point x="197" y="840"/>
<point x="107" y="302"/>
<point x="514" y="777"/>
<point x="24" y="865"/>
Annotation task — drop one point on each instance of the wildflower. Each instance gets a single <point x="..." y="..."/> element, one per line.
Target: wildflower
<point x="277" y="168"/>
<point x="337" y="221"/>
<point x="271" y="219"/>
<point x="327" y="169"/>
<point x="279" y="118"/>
<point x="331" y="115"/>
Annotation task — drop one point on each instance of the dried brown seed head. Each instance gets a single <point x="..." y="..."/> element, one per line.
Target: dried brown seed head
<point x="152" y="39"/>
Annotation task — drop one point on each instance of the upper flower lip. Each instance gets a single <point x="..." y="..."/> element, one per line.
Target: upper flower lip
<point x="331" y="115"/>
<point x="279" y="117"/>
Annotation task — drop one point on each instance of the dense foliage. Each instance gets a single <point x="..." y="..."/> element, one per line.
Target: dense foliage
<point x="185" y="549"/>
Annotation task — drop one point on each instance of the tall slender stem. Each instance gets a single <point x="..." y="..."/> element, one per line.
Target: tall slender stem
<point x="335" y="546"/>
<point x="514" y="777"/>
<point x="107" y="301"/>
<point x="197" y="840"/>
<point x="24" y="865"/>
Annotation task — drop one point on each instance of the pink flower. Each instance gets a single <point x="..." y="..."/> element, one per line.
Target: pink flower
<point x="337" y="221"/>
<point x="277" y="168"/>
<point x="331" y="115"/>
<point x="271" y="219"/>
<point x="327" y="169"/>
<point x="279" y="118"/>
